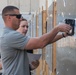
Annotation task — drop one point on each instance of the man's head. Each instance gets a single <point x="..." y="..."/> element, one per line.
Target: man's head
<point x="23" y="28"/>
<point x="11" y="17"/>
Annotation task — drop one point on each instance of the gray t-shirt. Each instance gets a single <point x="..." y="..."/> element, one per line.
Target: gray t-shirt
<point x="14" y="57"/>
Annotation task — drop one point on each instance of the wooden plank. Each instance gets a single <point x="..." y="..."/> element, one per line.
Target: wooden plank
<point x="43" y="32"/>
<point x="54" y="44"/>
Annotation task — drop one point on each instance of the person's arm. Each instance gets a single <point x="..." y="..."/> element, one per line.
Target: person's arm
<point x="40" y="42"/>
<point x="59" y="36"/>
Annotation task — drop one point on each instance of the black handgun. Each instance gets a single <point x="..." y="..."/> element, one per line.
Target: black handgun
<point x="72" y="23"/>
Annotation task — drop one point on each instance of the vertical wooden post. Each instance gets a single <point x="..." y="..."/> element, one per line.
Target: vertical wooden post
<point x="54" y="44"/>
<point x="43" y="31"/>
<point x="32" y="19"/>
<point x="47" y="69"/>
<point x="38" y="69"/>
<point x="36" y="24"/>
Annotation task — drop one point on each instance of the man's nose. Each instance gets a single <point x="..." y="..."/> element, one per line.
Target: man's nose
<point x="26" y="28"/>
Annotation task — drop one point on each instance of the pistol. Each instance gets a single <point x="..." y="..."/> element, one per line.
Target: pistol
<point x="71" y="22"/>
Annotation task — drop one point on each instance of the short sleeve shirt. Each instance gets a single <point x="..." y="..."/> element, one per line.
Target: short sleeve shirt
<point x="14" y="57"/>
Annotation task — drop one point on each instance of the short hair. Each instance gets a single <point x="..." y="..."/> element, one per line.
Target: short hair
<point x="23" y="19"/>
<point x="8" y="9"/>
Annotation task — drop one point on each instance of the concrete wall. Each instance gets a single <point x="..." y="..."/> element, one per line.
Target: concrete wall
<point x="25" y="6"/>
<point x="3" y="3"/>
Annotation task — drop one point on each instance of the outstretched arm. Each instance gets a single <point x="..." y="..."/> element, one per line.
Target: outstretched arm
<point x="59" y="36"/>
<point x="50" y="37"/>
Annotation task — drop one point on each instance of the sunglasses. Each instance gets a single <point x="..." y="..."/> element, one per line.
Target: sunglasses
<point x="18" y="16"/>
<point x="27" y="26"/>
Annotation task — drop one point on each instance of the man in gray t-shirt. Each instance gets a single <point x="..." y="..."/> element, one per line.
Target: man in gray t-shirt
<point x="14" y="45"/>
<point x="13" y="56"/>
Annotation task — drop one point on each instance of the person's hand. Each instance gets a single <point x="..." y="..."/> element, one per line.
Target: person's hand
<point x="34" y="64"/>
<point x="64" y="28"/>
<point x="65" y="34"/>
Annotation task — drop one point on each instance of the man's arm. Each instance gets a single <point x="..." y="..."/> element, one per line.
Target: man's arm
<point x="59" y="36"/>
<point x="40" y="42"/>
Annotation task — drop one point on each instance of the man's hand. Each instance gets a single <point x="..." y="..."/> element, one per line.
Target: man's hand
<point x="64" y="28"/>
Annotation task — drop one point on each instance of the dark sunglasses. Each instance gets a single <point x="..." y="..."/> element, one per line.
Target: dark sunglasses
<point x="27" y="26"/>
<point x="18" y="16"/>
